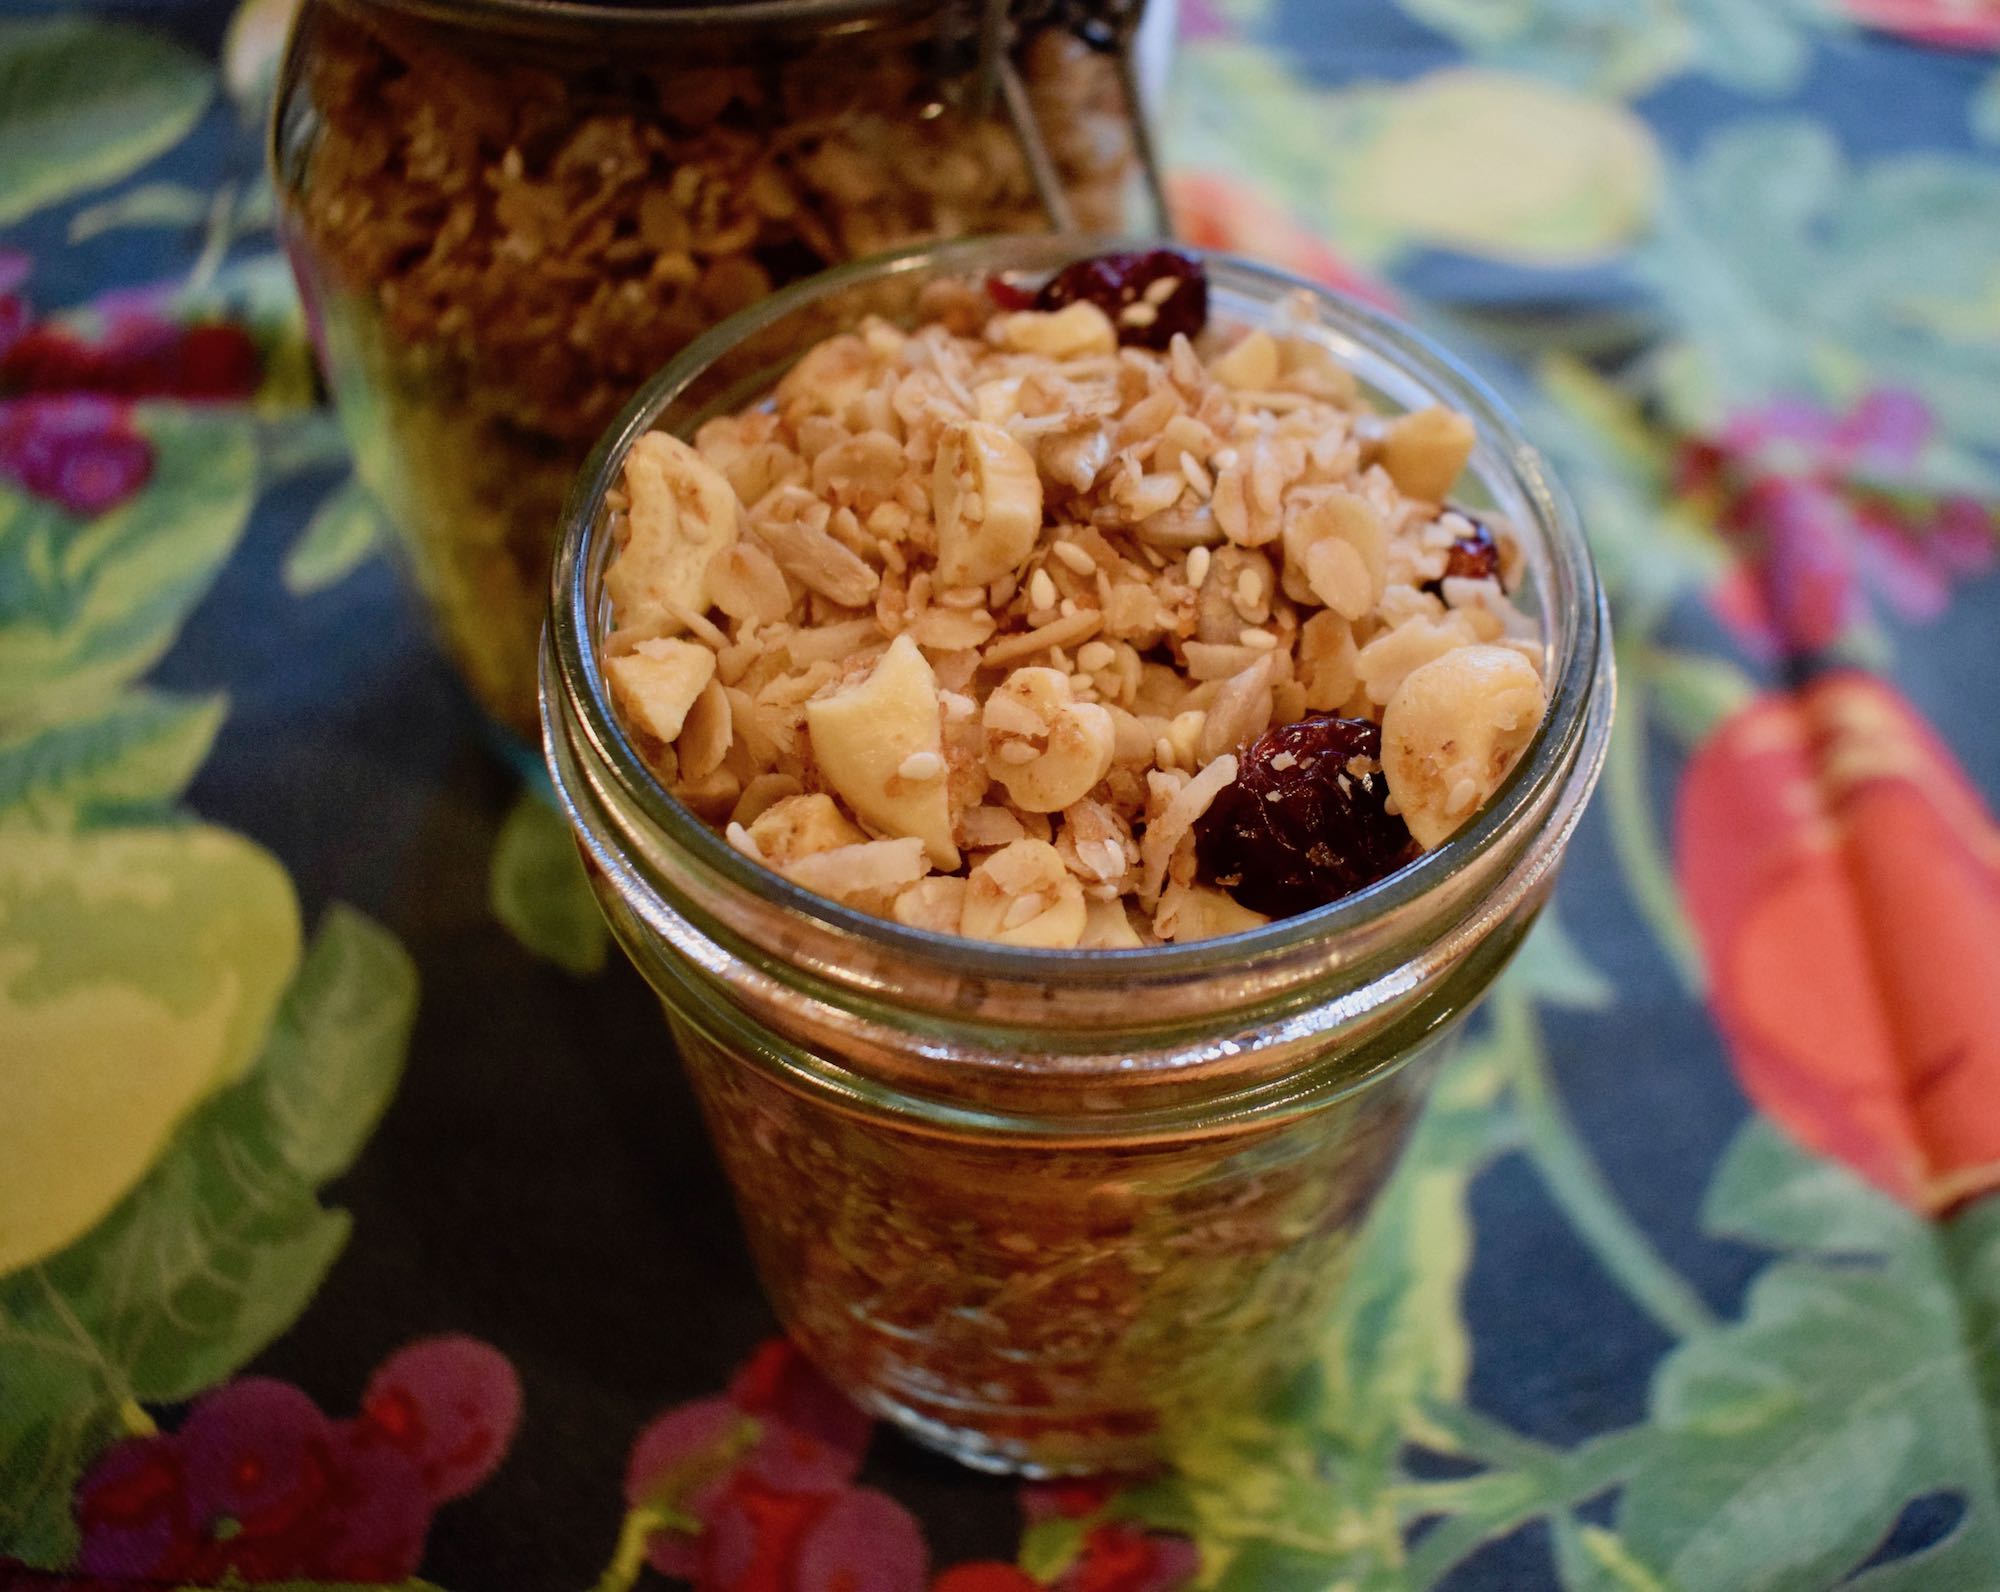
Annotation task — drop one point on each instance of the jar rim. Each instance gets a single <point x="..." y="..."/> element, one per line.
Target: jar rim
<point x="574" y="686"/>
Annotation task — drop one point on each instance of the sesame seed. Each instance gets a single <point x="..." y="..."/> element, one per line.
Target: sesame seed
<point x="1067" y="608"/>
<point x="1249" y="588"/>
<point x="1197" y="474"/>
<point x="1042" y="590"/>
<point x="1095" y="655"/>
<point x="1161" y="289"/>
<point x="921" y="766"/>
<point x="1197" y="563"/>
<point x="1140" y="314"/>
<point x="1163" y="752"/>
<point x="1258" y="640"/>
<point x="1075" y="557"/>
<point x="1017" y="752"/>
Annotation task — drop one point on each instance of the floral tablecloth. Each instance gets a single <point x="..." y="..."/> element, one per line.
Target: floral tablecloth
<point x="356" y="1227"/>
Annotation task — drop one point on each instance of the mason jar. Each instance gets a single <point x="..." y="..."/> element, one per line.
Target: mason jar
<point x="1052" y="1211"/>
<point x="505" y="214"/>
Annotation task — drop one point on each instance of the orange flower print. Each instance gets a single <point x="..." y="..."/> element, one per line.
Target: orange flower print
<point x="1212" y="211"/>
<point x="1844" y="880"/>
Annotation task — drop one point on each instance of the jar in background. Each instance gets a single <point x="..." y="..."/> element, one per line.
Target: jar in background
<point x="1051" y="1211"/>
<point x="506" y="214"/>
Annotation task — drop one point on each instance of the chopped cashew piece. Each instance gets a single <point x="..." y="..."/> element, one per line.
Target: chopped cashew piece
<point x="797" y="826"/>
<point x="1453" y="731"/>
<point x="869" y="876"/>
<point x="1201" y="912"/>
<point x="658" y="681"/>
<point x="1071" y="332"/>
<point x="1251" y="366"/>
<point x="1425" y="451"/>
<point x="1107" y="926"/>
<point x="683" y="512"/>
<point x="1024" y="895"/>
<point x="1047" y="748"/>
<point x="986" y="496"/>
<point x="936" y="903"/>
<point x="880" y="745"/>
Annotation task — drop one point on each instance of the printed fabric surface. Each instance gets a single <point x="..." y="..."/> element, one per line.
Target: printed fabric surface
<point x="356" y="1226"/>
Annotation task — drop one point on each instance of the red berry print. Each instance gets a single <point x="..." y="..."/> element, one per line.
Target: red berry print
<point x="814" y="1438"/>
<point x="132" y="1510"/>
<point x="985" y="1576"/>
<point x="450" y="1403"/>
<point x="864" y="1542"/>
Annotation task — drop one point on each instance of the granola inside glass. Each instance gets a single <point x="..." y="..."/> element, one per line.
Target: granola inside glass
<point x="504" y="216"/>
<point x="1068" y="619"/>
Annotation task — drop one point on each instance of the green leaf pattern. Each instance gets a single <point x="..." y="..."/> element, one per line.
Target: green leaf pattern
<point x="171" y="1096"/>
<point x="83" y="103"/>
<point x="1783" y="1437"/>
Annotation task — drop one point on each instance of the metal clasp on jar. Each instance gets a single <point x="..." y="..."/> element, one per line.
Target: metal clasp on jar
<point x="1107" y="26"/>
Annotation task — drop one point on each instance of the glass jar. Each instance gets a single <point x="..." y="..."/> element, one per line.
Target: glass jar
<point x="505" y="214"/>
<point x="1051" y="1210"/>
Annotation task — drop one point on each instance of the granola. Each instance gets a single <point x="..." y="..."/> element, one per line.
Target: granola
<point x="502" y="239"/>
<point x="993" y="625"/>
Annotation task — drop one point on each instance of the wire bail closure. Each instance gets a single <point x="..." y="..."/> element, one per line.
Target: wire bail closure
<point x="1109" y="27"/>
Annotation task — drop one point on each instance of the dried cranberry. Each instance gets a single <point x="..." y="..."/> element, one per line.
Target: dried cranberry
<point x="1472" y="557"/>
<point x="1116" y="282"/>
<point x="1301" y="826"/>
<point x="1008" y="295"/>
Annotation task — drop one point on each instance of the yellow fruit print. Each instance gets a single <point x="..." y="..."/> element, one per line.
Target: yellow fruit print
<point x="1505" y="167"/>
<point x="139" y="969"/>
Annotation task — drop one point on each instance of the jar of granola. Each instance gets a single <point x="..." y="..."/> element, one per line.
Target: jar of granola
<point x="505" y="214"/>
<point x="1052" y="1205"/>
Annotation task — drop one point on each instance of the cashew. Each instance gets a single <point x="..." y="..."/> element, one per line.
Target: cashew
<point x="1310" y="367"/>
<point x="1048" y="749"/>
<point x="683" y="512"/>
<point x="936" y="903"/>
<point x="1023" y="895"/>
<point x="997" y="400"/>
<point x="1107" y="926"/>
<point x="798" y="826"/>
<point x="1452" y="732"/>
<point x="869" y="876"/>
<point x="745" y="582"/>
<point x="880" y="745"/>
<point x="986" y="497"/>
<point x="1251" y="366"/>
<point x="1346" y="518"/>
<point x="1425" y="451"/>
<point x="706" y="733"/>
<point x="1200" y="912"/>
<point x="658" y="681"/>
<point x="1327" y="661"/>
<point x="830" y="377"/>
<point x="1073" y="331"/>
<point x="760" y="794"/>
<point x="1387" y="660"/>
<point x="1240" y="712"/>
